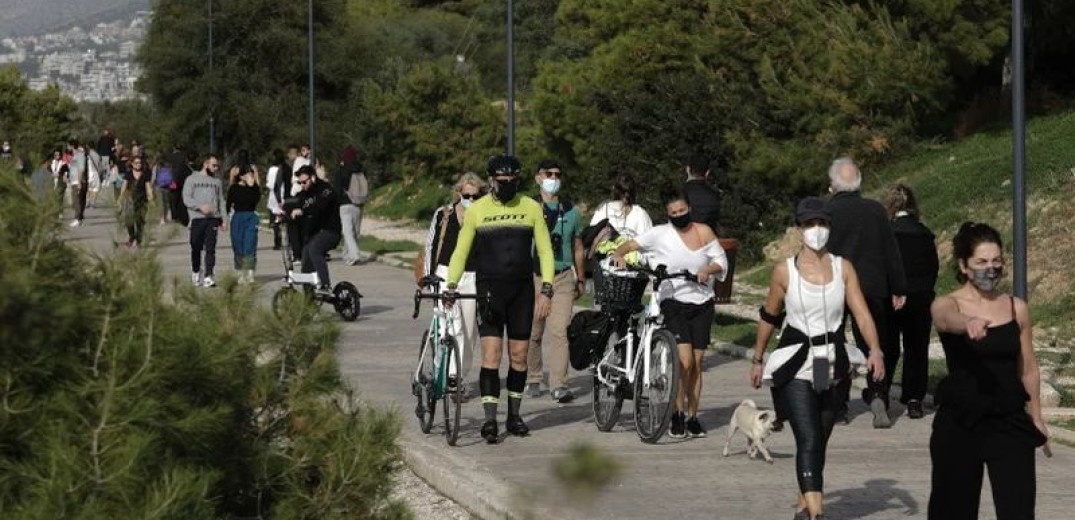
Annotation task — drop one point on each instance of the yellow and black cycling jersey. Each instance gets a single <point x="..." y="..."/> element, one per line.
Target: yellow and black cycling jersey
<point x="502" y="238"/>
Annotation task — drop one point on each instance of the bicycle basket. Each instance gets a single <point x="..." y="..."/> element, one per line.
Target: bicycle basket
<point x="621" y="288"/>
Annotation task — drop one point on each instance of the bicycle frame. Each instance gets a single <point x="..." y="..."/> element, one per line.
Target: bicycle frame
<point x="441" y="325"/>
<point x="648" y="320"/>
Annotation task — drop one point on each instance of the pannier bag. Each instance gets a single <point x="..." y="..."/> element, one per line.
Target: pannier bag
<point x="586" y="338"/>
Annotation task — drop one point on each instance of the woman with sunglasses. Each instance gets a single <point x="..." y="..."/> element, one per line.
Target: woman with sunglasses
<point x="434" y="260"/>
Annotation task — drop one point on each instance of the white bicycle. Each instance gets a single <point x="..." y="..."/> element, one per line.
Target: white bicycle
<point x="640" y="361"/>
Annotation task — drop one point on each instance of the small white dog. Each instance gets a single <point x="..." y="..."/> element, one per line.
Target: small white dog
<point x="755" y="424"/>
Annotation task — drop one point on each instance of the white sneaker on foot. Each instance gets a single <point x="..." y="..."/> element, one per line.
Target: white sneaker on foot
<point x="196" y="279"/>
<point x="208" y="282"/>
<point x="75" y="223"/>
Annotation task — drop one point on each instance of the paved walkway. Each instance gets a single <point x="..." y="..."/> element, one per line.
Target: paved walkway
<point x="871" y="474"/>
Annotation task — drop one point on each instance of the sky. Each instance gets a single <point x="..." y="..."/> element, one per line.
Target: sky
<point x="23" y="17"/>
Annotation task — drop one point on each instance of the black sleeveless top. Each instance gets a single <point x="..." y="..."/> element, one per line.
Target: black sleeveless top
<point x="983" y="381"/>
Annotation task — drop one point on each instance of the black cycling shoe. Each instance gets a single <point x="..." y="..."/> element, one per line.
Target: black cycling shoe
<point x="515" y="426"/>
<point x="490" y="432"/>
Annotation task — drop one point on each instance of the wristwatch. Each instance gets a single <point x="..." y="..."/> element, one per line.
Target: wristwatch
<point x="546" y="289"/>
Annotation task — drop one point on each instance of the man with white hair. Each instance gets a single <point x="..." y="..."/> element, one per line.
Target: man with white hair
<point x="862" y="234"/>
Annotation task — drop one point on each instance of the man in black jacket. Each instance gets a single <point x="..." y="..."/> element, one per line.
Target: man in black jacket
<point x="318" y="212"/>
<point x="862" y="234"/>
<point x="703" y="200"/>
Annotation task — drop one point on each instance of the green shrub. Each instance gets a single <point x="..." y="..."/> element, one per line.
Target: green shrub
<point x="121" y="402"/>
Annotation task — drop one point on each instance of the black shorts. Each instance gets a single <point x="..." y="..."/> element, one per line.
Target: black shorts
<point x="689" y="322"/>
<point x="510" y="305"/>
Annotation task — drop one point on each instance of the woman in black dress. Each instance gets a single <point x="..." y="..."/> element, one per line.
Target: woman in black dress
<point x="989" y="404"/>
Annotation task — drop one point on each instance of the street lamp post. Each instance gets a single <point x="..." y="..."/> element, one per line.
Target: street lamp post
<point x="1019" y="230"/>
<point x="511" y="78"/>
<point x="212" y="98"/>
<point x="310" y="82"/>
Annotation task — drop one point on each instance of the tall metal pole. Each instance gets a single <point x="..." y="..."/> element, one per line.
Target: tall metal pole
<point x="212" y="97"/>
<point x="310" y="86"/>
<point x="511" y="77"/>
<point x="1019" y="230"/>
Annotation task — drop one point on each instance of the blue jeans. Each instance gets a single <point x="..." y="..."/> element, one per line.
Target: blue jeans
<point x="244" y="239"/>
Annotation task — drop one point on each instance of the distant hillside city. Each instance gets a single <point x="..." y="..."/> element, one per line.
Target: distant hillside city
<point x="87" y="63"/>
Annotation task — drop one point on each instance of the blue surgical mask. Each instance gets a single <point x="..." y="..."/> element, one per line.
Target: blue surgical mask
<point x="550" y="186"/>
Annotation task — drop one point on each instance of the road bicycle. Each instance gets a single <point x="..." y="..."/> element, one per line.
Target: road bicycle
<point x="434" y="378"/>
<point x="640" y="360"/>
<point x="344" y="298"/>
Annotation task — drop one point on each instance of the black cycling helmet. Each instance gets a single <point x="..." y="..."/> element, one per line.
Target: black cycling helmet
<point x="503" y="165"/>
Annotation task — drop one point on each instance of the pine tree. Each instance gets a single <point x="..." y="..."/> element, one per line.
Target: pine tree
<point x="124" y="398"/>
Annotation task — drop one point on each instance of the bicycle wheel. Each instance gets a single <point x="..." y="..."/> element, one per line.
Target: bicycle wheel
<point x="280" y="297"/>
<point x="422" y="386"/>
<point x="607" y="401"/>
<point x="347" y="302"/>
<point x="453" y="401"/>
<point x="653" y="405"/>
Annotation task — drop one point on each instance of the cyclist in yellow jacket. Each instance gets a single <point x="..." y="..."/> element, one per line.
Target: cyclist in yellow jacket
<point x="502" y="230"/>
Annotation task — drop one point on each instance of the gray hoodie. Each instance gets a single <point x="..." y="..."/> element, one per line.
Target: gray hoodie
<point x="202" y="189"/>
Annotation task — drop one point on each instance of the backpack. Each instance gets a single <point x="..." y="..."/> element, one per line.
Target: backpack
<point x="586" y="338"/>
<point x="164" y="176"/>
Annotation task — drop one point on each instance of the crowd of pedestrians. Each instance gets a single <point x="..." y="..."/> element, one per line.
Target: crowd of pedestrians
<point x="873" y="265"/>
<point x="317" y="209"/>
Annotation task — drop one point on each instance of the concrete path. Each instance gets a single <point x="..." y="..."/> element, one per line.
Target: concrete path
<point x="870" y="474"/>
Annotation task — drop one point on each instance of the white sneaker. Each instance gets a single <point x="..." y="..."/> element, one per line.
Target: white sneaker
<point x="75" y="223"/>
<point x="208" y="282"/>
<point x="196" y="279"/>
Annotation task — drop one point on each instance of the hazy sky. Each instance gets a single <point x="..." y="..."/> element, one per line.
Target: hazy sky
<point x="22" y="17"/>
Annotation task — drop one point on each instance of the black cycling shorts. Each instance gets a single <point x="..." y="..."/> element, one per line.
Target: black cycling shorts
<point x="510" y="305"/>
<point x="689" y="322"/>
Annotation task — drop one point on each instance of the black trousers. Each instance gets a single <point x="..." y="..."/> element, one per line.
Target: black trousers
<point x="959" y="454"/>
<point x="313" y="254"/>
<point x="881" y="310"/>
<point x="275" y="225"/>
<point x="811" y="415"/>
<point x="80" y="200"/>
<point x="913" y="323"/>
<point x="137" y="225"/>
<point x="295" y="238"/>
<point x="203" y="232"/>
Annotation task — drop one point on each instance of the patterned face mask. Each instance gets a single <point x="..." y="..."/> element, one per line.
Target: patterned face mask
<point x="986" y="279"/>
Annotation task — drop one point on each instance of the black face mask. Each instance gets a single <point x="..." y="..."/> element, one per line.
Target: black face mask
<point x="505" y="191"/>
<point x="681" y="221"/>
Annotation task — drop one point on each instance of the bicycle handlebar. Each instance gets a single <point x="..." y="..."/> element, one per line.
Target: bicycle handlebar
<point x="419" y="296"/>
<point x="660" y="273"/>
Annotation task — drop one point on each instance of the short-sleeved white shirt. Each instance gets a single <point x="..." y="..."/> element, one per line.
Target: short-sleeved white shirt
<point x="627" y="223"/>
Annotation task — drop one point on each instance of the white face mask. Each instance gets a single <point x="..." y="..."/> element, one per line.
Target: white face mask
<point x="466" y="203"/>
<point x="816" y="237"/>
<point x="550" y="186"/>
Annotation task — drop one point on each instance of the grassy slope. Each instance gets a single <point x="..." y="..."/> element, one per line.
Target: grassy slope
<point x="972" y="180"/>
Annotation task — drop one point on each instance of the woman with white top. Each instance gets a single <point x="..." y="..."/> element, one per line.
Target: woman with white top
<point x="687" y="306"/>
<point x="812" y="288"/>
<point x="434" y="259"/>
<point x="626" y="217"/>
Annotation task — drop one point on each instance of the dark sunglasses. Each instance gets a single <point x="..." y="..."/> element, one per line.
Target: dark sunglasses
<point x="469" y="196"/>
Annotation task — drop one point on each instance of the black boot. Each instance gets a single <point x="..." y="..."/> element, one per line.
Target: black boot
<point x="490" y="432"/>
<point x="515" y="426"/>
